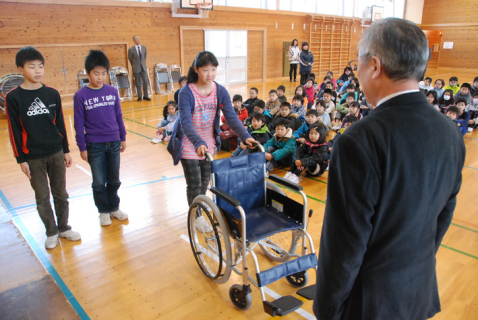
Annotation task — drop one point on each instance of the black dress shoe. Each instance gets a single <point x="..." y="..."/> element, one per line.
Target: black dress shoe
<point x="146" y="98"/>
<point x="139" y="99"/>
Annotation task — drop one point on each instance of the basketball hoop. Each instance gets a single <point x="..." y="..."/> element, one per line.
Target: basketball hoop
<point x="204" y="8"/>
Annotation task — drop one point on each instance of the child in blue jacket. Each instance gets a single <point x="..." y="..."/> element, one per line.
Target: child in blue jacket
<point x="281" y="148"/>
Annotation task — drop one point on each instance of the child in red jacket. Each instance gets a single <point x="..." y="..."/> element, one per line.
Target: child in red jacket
<point x="237" y="103"/>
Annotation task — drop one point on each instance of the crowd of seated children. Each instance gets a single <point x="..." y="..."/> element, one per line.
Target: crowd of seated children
<point x="280" y="94"/>
<point x="328" y="85"/>
<point x="258" y="130"/>
<point x="310" y="155"/>
<point x="166" y="125"/>
<point x="463" y="116"/>
<point x="354" y="111"/>
<point x="342" y="110"/>
<point x="350" y="89"/>
<point x="300" y="90"/>
<point x="297" y="108"/>
<point x="347" y="123"/>
<point x="273" y="105"/>
<point x="446" y="100"/>
<point x="432" y="99"/>
<point x="249" y="103"/>
<point x="472" y="109"/>
<point x="281" y="147"/>
<point x="284" y="114"/>
<point x="453" y="85"/>
<point x="464" y="93"/>
<point x="259" y="107"/>
<point x="324" y="117"/>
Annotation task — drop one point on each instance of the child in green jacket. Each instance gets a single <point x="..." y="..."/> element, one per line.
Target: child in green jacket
<point x="281" y="148"/>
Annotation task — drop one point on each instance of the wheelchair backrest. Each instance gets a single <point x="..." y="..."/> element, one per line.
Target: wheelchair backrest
<point x="243" y="178"/>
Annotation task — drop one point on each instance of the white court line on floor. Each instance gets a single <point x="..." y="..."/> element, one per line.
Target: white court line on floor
<point x="155" y="119"/>
<point x="83" y="169"/>
<point x="268" y="291"/>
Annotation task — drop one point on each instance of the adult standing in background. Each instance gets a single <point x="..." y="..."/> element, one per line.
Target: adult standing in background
<point x="392" y="188"/>
<point x="137" y="58"/>
<point x="293" y="58"/>
<point x="306" y="59"/>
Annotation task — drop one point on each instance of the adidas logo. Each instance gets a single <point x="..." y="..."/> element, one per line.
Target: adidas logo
<point x="37" y="107"/>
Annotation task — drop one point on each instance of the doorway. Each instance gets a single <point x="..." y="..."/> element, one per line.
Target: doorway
<point x="230" y="49"/>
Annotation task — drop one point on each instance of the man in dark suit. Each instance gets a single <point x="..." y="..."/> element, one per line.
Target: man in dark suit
<point x="137" y="58"/>
<point x="393" y="181"/>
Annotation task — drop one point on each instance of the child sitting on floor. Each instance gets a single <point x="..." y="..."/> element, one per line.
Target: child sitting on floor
<point x="464" y="93"/>
<point x="446" y="100"/>
<point x="347" y="123"/>
<point x="324" y="117"/>
<point x="165" y="127"/>
<point x="273" y="105"/>
<point x="249" y="103"/>
<point x="472" y="109"/>
<point x="297" y="108"/>
<point x="432" y="99"/>
<point x="311" y="155"/>
<point x="237" y="104"/>
<point x="285" y="113"/>
<point x="439" y="84"/>
<point x="258" y="130"/>
<point x="328" y="98"/>
<point x="309" y="90"/>
<point x="452" y="112"/>
<point x="343" y="109"/>
<point x="354" y="111"/>
<point x="453" y="85"/>
<point x="311" y="118"/>
<point x="280" y="149"/>
<point x="259" y="107"/>
<point x="300" y="90"/>
<point x="280" y="93"/>
<point x="463" y="116"/>
<point x="350" y="89"/>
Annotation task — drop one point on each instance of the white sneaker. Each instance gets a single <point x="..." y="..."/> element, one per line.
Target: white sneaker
<point x="70" y="235"/>
<point x="287" y="175"/>
<point x="157" y="139"/>
<point x="327" y="167"/>
<point x="105" y="219"/>
<point x="51" y="242"/>
<point x="293" y="178"/>
<point x="202" y="225"/>
<point x="470" y="129"/>
<point x="120" y="215"/>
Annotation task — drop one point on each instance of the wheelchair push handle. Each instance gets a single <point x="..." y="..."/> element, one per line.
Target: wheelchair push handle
<point x="258" y="145"/>
<point x="208" y="157"/>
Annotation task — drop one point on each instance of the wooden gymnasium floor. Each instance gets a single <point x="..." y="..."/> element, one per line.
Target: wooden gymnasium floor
<point x="143" y="268"/>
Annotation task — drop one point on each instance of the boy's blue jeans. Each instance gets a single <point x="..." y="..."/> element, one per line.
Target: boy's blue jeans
<point x="104" y="160"/>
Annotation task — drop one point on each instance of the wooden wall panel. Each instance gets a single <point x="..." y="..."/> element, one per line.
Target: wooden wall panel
<point x="193" y="44"/>
<point x="255" y="55"/>
<point x="35" y="23"/>
<point x="458" y="22"/>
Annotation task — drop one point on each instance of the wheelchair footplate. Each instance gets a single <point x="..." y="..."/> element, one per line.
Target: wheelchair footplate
<point x="282" y="306"/>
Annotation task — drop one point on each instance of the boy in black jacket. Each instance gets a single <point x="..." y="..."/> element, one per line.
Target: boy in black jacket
<point x="259" y="107"/>
<point x="284" y="113"/>
<point x="39" y="142"/>
<point x="258" y="130"/>
<point x="249" y="103"/>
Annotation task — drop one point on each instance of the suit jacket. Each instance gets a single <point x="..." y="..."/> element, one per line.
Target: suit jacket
<point x="393" y="181"/>
<point x="133" y="58"/>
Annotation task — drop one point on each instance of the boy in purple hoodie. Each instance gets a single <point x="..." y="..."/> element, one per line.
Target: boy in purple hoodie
<point x="101" y="135"/>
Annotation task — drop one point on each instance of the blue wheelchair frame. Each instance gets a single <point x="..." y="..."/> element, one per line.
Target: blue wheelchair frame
<point x="252" y="210"/>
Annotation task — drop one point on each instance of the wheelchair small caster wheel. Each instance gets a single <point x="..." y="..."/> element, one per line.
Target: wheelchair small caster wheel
<point x="242" y="303"/>
<point x="298" y="280"/>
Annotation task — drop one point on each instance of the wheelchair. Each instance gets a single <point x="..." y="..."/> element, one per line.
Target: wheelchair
<point x="247" y="211"/>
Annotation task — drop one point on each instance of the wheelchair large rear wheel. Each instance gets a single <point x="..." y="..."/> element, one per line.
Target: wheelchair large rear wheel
<point x="277" y="246"/>
<point x="211" y="246"/>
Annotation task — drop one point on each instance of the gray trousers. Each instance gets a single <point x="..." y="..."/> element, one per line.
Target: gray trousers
<point x="137" y="80"/>
<point x="53" y="169"/>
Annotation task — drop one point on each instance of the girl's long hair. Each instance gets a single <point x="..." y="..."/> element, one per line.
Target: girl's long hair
<point x="303" y="91"/>
<point x="434" y="94"/>
<point x="203" y="58"/>
<point x="319" y="127"/>
<point x="447" y="102"/>
<point x="351" y="72"/>
<point x="295" y="40"/>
